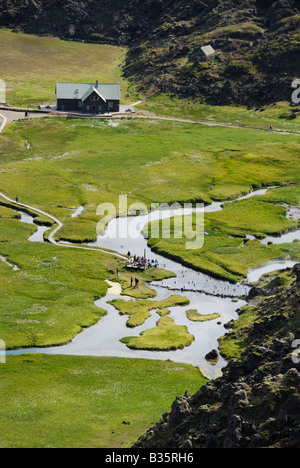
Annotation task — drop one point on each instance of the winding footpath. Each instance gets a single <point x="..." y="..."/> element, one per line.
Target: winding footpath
<point x="51" y="237"/>
<point x="59" y="224"/>
<point x="213" y="124"/>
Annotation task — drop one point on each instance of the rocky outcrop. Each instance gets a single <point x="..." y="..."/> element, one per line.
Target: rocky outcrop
<point x="256" y="401"/>
<point x="256" y="42"/>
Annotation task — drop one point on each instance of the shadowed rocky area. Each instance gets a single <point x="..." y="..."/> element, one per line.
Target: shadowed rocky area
<point x="256" y="403"/>
<point x="256" y="42"/>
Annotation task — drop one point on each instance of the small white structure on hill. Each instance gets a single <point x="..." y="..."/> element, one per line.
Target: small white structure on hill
<point x="208" y="50"/>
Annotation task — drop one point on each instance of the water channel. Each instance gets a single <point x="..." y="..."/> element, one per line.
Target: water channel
<point x="207" y="295"/>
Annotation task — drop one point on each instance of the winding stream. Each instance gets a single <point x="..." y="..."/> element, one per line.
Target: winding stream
<point x="207" y="295"/>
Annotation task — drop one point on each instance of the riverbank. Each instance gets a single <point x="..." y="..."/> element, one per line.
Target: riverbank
<point x="239" y="236"/>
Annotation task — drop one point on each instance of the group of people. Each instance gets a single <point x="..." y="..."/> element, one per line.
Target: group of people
<point x="141" y="263"/>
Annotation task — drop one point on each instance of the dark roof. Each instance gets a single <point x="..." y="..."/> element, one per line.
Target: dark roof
<point x="81" y="91"/>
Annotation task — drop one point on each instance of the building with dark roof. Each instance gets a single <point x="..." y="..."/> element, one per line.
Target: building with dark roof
<point x="97" y="98"/>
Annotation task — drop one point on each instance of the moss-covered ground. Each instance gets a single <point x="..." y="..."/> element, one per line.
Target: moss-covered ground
<point x="50" y="298"/>
<point x="86" y="402"/>
<point x="235" y="342"/>
<point x="195" y="316"/>
<point x="72" y="163"/>
<point x="166" y="336"/>
<point x="139" y="310"/>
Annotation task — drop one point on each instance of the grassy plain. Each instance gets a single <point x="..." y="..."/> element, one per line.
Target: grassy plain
<point x="87" y="162"/>
<point x="61" y="401"/>
<point x="51" y="297"/>
<point x="32" y="65"/>
<point x="86" y="402"/>
<point x="73" y="163"/>
<point x="260" y="118"/>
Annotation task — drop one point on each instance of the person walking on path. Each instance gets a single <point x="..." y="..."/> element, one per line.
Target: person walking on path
<point x="17" y="199"/>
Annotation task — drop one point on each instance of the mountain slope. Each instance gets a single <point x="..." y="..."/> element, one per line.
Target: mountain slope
<point x="256" y="42"/>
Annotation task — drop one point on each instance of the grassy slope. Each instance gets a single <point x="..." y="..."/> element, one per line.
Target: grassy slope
<point x="236" y="341"/>
<point x="83" y="402"/>
<point x="40" y="62"/>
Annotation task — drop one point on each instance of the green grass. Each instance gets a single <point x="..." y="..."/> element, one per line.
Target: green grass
<point x="79" y="162"/>
<point x="145" y="276"/>
<point x="83" y="402"/>
<point x="8" y="213"/>
<point x="171" y="106"/>
<point x="195" y="316"/>
<point x="32" y="65"/>
<point x="51" y="298"/>
<point x="139" y="311"/>
<point x="60" y="401"/>
<point x="226" y="252"/>
<point x="166" y="336"/>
